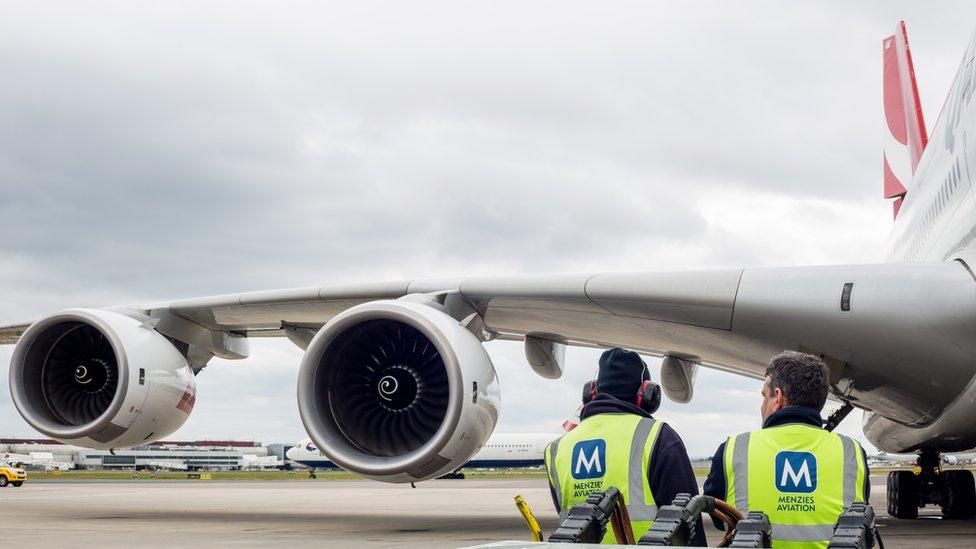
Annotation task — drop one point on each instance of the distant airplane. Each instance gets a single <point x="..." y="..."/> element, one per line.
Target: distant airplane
<point x="959" y="459"/>
<point x="948" y="459"/>
<point x="501" y="451"/>
<point x="396" y="385"/>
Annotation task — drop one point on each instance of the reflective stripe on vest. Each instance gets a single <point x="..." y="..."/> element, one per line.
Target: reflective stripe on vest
<point x="638" y="507"/>
<point x="607" y="447"/>
<point x="553" y="480"/>
<point x="802" y="477"/>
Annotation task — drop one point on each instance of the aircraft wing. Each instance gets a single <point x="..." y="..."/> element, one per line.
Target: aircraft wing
<point x="10" y="333"/>
<point x="727" y="319"/>
<point x="655" y="312"/>
<point x="732" y="320"/>
<point x="265" y="314"/>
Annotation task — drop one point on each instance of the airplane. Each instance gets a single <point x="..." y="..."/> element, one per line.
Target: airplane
<point x="260" y="462"/>
<point x="395" y="383"/>
<point x="500" y="451"/>
<point x="959" y="459"/>
<point x="947" y="459"/>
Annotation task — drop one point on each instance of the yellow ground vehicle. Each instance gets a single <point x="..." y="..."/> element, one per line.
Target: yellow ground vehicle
<point x="12" y="476"/>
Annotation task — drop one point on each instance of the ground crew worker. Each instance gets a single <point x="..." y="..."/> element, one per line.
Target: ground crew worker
<point x="799" y="474"/>
<point x="618" y="443"/>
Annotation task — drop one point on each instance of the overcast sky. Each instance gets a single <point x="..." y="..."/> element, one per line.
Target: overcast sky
<point x="157" y="151"/>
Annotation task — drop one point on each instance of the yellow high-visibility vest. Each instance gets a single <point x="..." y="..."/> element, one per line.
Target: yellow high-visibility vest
<point x="602" y="451"/>
<point x="801" y="476"/>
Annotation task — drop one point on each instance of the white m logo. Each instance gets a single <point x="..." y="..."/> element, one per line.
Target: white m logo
<point x="796" y="476"/>
<point x="592" y="462"/>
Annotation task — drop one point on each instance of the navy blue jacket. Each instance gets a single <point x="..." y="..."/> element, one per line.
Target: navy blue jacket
<point x="715" y="484"/>
<point x="669" y="472"/>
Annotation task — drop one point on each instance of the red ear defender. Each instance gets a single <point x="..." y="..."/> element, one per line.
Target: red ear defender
<point x="589" y="391"/>
<point x="649" y="397"/>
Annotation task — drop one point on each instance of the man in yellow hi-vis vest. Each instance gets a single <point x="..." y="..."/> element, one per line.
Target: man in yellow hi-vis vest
<point x="618" y="443"/>
<point x="800" y="475"/>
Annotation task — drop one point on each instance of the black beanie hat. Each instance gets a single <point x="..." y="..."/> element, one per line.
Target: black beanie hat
<point x="621" y="374"/>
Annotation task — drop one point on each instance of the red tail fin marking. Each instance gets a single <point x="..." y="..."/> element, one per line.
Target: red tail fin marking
<point x="906" y="137"/>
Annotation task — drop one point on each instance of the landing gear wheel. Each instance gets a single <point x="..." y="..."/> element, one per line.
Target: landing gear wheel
<point x="959" y="501"/>
<point x="3" y="482"/>
<point x="452" y="476"/>
<point x="16" y="484"/>
<point x="903" y="494"/>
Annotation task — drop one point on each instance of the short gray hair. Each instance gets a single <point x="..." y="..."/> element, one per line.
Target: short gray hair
<point x="802" y="378"/>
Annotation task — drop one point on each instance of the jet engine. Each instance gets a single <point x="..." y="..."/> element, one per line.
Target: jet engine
<point x="100" y="379"/>
<point x="397" y="391"/>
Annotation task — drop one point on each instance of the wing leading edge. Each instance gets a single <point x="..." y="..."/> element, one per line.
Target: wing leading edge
<point x="10" y="333"/>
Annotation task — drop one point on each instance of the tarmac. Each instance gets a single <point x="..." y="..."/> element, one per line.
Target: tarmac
<point x="332" y="513"/>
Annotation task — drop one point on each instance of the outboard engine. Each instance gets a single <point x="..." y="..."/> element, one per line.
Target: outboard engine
<point x="100" y="379"/>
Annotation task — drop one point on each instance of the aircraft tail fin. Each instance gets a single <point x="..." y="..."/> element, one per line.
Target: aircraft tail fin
<point x="906" y="138"/>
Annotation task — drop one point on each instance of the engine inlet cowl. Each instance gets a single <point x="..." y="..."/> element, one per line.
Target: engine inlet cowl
<point x="397" y="391"/>
<point x="99" y="379"/>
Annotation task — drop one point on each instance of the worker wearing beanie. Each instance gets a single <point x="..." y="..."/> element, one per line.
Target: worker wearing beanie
<point x="618" y="443"/>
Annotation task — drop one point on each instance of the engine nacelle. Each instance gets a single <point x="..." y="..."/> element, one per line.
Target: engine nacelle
<point x="397" y="391"/>
<point x="99" y="379"/>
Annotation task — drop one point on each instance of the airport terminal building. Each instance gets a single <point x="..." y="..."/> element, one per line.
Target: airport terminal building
<point x="204" y="455"/>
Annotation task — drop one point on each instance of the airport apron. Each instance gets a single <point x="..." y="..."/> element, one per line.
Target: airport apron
<point x="602" y="451"/>
<point x="801" y="476"/>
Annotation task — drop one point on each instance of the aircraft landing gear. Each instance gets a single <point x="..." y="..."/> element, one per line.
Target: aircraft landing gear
<point x="954" y="491"/>
<point x="903" y="494"/>
<point x="959" y="499"/>
<point x="456" y="475"/>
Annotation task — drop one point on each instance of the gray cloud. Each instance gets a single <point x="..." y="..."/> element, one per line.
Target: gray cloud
<point x="154" y="152"/>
